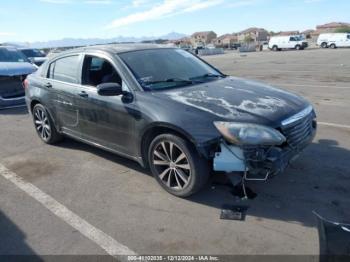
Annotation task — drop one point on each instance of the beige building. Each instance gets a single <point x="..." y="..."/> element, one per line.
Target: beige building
<point x="203" y="38"/>
<point x="181" y="42"/>
<point x="254" y="33"/>
<point x="327" y="28"/>
<point x="308" y="33"/>
<point x="225" y="40"/>
<point x="331" y="27"/>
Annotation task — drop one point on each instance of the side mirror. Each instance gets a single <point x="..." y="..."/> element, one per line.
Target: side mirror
<point x="109" y="89"/>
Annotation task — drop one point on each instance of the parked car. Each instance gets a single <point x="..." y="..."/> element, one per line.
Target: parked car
<point x="235" y="46"/>
<point x="53" y="53"/>
<point x="34" y="55"/>
<point x="170" y="111"/>
<point x="210" y="46"/>
<point x="14" y="67"/>
<point x="186" y="47"/>
<point x="334" y="40"/>
<point x="278" y="43"/>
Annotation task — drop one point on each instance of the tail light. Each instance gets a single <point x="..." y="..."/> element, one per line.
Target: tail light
<point x="26" y="83"/>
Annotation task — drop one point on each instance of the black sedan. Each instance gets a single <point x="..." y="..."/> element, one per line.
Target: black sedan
<point x="170" y="111"/>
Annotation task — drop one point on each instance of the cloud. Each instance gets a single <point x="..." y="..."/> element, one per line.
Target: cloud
<point x="139" y="3"/>
<point x="92" y="2"/>
<point x="6" y="34"/>
<point x="166" y="8"/>
<point x="203" y="5"/>
<point x="56" y="1"/>
<point x="98" y="2"/>
<point x="242" y="3"/>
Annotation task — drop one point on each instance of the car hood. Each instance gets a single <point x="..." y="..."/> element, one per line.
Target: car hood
<point x="236" y="99"/>
<point x="14" y="68"/>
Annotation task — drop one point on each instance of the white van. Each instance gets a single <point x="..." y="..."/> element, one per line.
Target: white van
<point x="277" y="43"/>
<point x="334" y="40"/>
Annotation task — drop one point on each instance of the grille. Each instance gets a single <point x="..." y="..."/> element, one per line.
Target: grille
<point x="11" y="86"/>
<point x="299" y="132"/>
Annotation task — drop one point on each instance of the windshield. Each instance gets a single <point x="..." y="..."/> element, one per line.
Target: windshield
<point x="9" y="54"/>
<point x="32" y="53"/>
<point x="158" y="69"/>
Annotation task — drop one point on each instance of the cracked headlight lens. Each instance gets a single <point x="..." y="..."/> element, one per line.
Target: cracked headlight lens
<point x="249" y="134"/>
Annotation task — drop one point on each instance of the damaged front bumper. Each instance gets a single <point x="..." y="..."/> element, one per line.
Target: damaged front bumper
<point x="259" y="162"/>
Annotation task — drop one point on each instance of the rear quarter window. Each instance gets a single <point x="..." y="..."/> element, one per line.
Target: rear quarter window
<point x="65" y="69"/>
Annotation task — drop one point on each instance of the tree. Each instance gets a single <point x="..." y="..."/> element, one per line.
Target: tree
<point x="345" y="29"/>
<point x="248" y="39"/>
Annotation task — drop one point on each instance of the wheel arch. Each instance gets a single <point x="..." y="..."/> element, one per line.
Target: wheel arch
<point x="156" y="129"/>
<point x="36" y="101"/>
<point x="324" y="44"/>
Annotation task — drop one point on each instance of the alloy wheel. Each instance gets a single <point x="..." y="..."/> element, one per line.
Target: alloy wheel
<point x="172" y="165"/>
<point x="42" y="124"/>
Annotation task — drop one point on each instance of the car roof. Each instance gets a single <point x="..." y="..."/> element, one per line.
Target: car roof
<point x="117" y="48"/>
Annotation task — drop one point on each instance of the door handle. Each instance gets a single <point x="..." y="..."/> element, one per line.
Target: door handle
<point x="83" y="94"/>
<point x="48" y="85"/>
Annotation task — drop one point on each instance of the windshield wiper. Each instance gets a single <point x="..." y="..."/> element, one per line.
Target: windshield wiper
<point x="208" y="75"/>
<point x="170" y="80"/>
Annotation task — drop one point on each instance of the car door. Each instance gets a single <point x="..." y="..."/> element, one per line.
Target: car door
<point x="105" y="120"/>
<point x="347" y="41"/>
<point x="283" y="42"/>
<point x="291" y="43"/>
<point x="63" y="80"/>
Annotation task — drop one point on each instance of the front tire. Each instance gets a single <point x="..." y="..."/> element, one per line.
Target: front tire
<point x="177" y="166"/>
<point x="275" y="48"/>
<point x="44" y="125"/>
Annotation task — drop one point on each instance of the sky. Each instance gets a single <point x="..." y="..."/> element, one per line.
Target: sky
<point x="42" y="20"/>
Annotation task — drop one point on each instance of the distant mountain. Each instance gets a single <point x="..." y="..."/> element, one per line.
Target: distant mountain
<point x="173" y="36"/>
<point x="66" y="42"/>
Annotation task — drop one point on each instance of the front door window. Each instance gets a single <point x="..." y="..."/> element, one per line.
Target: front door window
<point x="97" y="71"/>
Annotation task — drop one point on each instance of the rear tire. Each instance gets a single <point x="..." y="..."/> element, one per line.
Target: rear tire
<point x="324" y="45"/>
<point x="177" y="166"/>
<point x="44" y="125"/>
<point x="298" y="47"/>
<point x="333" y="46"/>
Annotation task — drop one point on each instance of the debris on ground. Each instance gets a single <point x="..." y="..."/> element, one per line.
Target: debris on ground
<point x="233" y="212"/>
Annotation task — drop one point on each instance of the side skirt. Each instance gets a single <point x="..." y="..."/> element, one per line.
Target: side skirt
<point x="85" y="141"/>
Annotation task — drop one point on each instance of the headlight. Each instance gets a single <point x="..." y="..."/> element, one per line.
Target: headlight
<point x="249" y="134"/>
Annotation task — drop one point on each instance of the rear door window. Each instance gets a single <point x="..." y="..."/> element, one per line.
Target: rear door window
<point x="65" y="69"/>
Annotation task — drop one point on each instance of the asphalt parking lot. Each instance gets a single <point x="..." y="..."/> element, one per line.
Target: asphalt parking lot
<point x="87" y="201"/>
